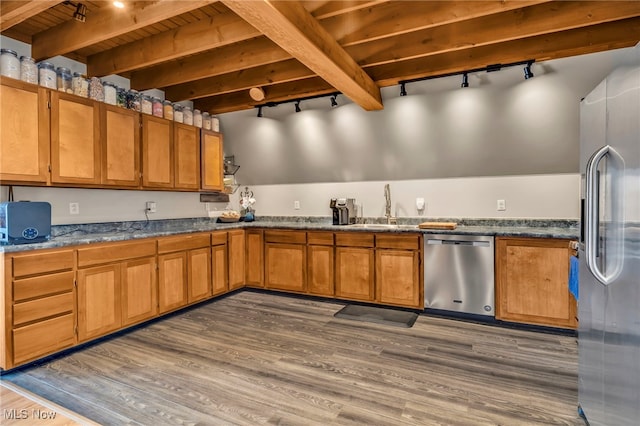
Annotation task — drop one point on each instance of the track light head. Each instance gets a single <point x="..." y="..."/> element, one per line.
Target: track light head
<point x="334" y="102"/>
<point x="403" y="89"/>
<point x="259" y="111"/>
<point x="465" y="80"/>
<point x="527" y="71"/>
<point x="298" y="106"/>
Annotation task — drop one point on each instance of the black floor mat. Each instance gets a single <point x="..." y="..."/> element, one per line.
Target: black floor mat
<point x="386" y="316"/>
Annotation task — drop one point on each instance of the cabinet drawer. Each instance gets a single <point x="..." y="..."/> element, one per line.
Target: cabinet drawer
<point x="40" y="263"/>
<point x="320" y="238"/>
<point x="30" y="288"/>
<point x="287" y="237"/>
<point x="35" y="340"/>
<point x="218" y="238"/>
<point x="394" y="241"/>
<point x="354" y="239"/>
<point x="115" y="252"/>
<point x="46" y="307"/>
<point x="183" y="242"/>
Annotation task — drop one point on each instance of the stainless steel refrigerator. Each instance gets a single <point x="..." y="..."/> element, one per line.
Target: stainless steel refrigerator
<point x="609" y="254"/>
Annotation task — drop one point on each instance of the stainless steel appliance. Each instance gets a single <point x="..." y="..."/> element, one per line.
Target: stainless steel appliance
<point x="344" y="210"/>
<point x="458" y="273"/>
<point x="609" y="252"/>
<point x="25" y="222"/>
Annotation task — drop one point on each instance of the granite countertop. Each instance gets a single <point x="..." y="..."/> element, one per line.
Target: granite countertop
<point x="71" y="235"/>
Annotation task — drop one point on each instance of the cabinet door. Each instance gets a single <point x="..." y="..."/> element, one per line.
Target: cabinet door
<point x="354" y="273"/>
<point x="219" y="275"/>
<point x="397" y="277"/>
<point x="212" y="161"/>
<point x="531" y="282"/>
<point x="75" y="139"/>
<point x="187" y="156"/>
<point x="255" y="258"/>
<point x="286" y="267"/>
<point x="157" y="152"/>
<point x="320" y="270"/>
<point x="199" y="276"/>
<point x="139" y="291"/>
<point x="98" y="301"/>
<point x="120" y="146"/>
<point x="172" y="281"/>
<point x="24" y="132"/>
<point x="236" y="259"/>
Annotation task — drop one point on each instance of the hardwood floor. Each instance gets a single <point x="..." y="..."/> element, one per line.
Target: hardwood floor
<point x="255" y="358"/>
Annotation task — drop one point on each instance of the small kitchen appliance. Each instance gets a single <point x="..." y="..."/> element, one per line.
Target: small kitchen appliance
<point x="25" y="222"/>
<point x="344" y="210"/>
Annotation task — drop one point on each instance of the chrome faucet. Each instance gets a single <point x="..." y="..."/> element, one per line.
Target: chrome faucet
<point x="387" y="206"/>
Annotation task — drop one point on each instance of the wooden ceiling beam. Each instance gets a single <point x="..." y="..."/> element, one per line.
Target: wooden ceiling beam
<point x="221" y="30"/>
<point x="104" y="24"/>
<point x="497" y="28"/>
<point x="262" y="76"/>
<point x="580" y="41"/>
<point x="290" y="26"/>
<point x="246" y="54"/>
<point x="14" y="12"/>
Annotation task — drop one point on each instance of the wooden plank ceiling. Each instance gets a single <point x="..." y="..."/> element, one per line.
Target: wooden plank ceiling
<point x="214" y="52"/>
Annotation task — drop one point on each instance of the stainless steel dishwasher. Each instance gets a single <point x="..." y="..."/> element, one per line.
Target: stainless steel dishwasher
<point x="459" y="273"/>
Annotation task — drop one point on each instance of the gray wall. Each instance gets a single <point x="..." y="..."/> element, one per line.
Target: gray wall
<point x="501" y="125"/>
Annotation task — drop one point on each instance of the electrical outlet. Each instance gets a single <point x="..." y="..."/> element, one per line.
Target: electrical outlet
<point x="501" y="205"/>
<point x="296" y="205"/>
<point x="74" y="208"/>
<point x="151" y="207"/>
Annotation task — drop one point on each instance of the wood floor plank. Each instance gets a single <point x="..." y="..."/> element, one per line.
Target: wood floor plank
<point x="255" y="358"/>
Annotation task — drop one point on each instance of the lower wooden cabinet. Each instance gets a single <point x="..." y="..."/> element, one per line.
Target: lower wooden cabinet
<point x="320" y="264"/>
<point x="254" y="262"/>
<point x="139" y="290"/>
<point x="397" y="277"/>
<point x="98" y="301"/>
<point x="219" y="263"/>
<point x="236" y="260"/>
<point x="354" y="273"/>
<point x="199" y="274"/>
<point x="531" y="282"/>
<point x="285" y="260"/>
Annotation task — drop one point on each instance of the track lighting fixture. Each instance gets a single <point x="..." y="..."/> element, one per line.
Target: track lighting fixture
<point x="80" y="13"/>
<point x="260" y="111"/>
<point x="403" y="89"/>
<point x="298" y="106"/>
<point x="334" y="101"/>
<point x="465" y="80"/>
<point x="527" y="71"/>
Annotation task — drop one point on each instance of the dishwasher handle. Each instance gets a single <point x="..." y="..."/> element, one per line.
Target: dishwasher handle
<point x="459" y="243"/>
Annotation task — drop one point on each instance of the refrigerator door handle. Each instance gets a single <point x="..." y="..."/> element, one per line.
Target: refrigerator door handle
<point x="592" y="219"/>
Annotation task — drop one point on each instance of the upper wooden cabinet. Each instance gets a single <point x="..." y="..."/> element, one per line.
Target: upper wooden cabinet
<point x="157" y="152"/>
<point x="120" y="146"/>
<point x="75" y="139"/>
<point x="531" y="282"/>
<point x="186" y="145"/>
<point x="212" y="161"/>
<point x="24" y="132"/>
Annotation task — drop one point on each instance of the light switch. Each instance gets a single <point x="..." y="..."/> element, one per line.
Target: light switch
<point x="420" y="203"/>
<point x="501" y="205"/>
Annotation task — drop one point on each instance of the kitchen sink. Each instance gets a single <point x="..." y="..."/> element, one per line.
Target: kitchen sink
<point x="381" y="226"/>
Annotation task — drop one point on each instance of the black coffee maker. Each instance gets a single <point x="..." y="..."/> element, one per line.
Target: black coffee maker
<point x="344" y="210"/>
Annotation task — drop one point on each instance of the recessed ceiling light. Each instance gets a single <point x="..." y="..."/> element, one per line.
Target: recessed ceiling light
<point x="118" y="4"/>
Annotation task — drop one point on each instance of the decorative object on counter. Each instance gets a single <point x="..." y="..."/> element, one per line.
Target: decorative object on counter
<point x="28" y="70"/>
<point x="146" y="106"/>
<point x="110" y="93"/>
<point x="229" y="216"/>
<point x="187" y="116"/>
<point x="438" y="225"/>
<point x="206" y="121"/>
<point x="197" y="118"/>
<point x="246" y="202"/>
<point x="215" y="123"/>
<point x="157" y="107"/>
<point x="178" y="113"/>
<point x="96" y="89"/>
<point x="63" y="79"/>
<point x="47" y="75"/>
<point x="80" y="85"/>
<point x="9" y="63"/>
<point x="167" y="110"/>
